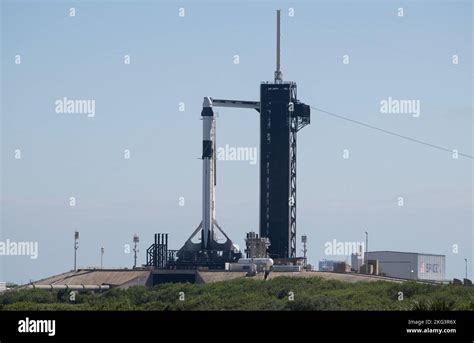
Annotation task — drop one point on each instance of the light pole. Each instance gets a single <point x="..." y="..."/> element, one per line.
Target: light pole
<point x="101" y="257"/>
<point x="465" y="260"/>
<point x="366" y="252"/>
<point x="304" y="240"/>
<point x="135" y="250"/>
<point x="76" y="246"/>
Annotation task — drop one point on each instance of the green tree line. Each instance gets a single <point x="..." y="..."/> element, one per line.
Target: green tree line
<point x="283" y="293"/>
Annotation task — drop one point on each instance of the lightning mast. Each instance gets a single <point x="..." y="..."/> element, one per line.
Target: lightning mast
<point x="278" y="73"/>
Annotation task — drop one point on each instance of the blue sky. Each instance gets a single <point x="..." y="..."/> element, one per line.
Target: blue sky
<point x="182" y="59"/>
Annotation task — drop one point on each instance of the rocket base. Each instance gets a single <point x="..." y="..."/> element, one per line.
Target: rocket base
<point x="194" y="255"/>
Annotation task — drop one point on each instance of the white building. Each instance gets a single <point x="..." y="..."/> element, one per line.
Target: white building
<point x="327" y="265"/>
<point x="408" y="265"/>
<point x="356" y="261"/>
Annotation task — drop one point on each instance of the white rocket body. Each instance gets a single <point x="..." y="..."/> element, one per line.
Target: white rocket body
<point x="208" y="173"/>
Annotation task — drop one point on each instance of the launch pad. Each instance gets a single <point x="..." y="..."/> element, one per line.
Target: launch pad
<point x="282" y="115"/>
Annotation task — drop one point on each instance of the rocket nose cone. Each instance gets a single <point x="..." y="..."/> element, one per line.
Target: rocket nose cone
<point x="207" y="102"/>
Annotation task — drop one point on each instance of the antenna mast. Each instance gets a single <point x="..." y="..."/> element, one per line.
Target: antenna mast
<point x="278" y="74"/>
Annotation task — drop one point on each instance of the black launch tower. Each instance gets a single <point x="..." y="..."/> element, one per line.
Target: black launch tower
<point x="282" y="115"/>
